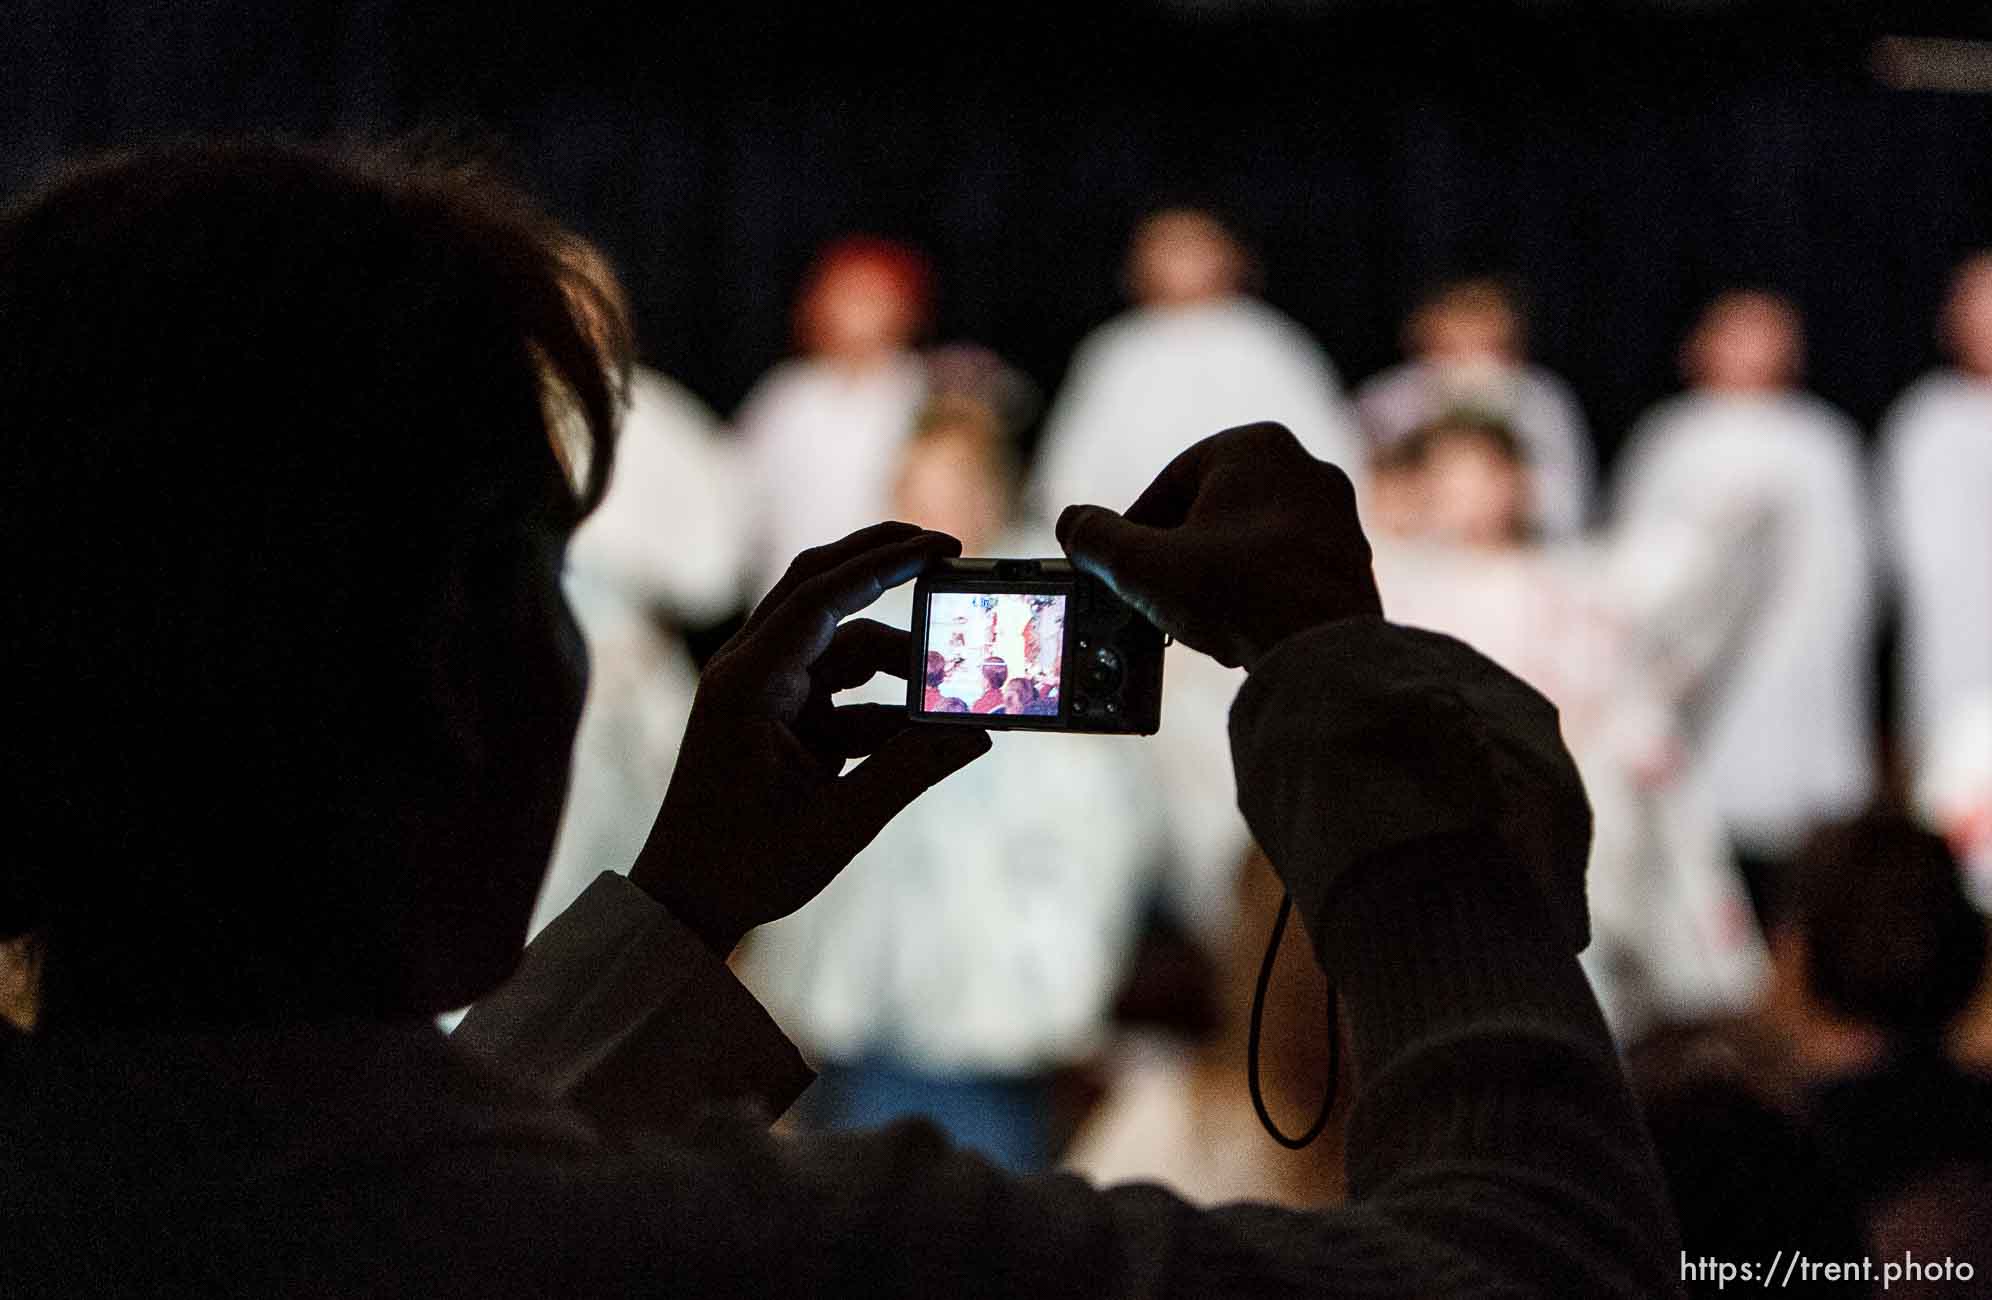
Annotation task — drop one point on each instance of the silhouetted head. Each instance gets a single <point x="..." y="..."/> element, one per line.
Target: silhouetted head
<point x="292" y="442"/>
<point x="1888" y="935"/>
<point x="937" y="668"/>
<point x="995" y="672"/>
<point x="1746" y="1173"/>
<point x="1748" y="341"/>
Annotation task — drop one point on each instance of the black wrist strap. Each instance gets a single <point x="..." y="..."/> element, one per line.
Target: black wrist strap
<point x="1252" y="1043"/>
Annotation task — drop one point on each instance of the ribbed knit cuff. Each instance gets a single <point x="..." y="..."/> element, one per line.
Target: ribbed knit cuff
<point x="1439" y="934"/>
<point x="1358" y="737"/>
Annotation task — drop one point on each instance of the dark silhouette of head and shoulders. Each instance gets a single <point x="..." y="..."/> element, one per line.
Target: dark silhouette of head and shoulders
<point x="295" y="441"/>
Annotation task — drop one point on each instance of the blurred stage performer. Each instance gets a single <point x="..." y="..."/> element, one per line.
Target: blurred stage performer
<point x="823" y="430"/>
<point x="1196" y="353"/>
<point x="1936" y="488"/>
<point x="1618" y="633"/>
<point x="1468" y="349"/>
<point x="975" y="947"/>
<point x="1181" y="1114"/>
<point x="1788" y="742"/>
<point x="663" y="552"/>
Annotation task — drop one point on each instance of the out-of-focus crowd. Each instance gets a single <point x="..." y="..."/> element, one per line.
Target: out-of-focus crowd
<point x="1707" y="628"/>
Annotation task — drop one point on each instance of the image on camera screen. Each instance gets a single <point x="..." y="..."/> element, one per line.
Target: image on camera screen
<point x="994" y="652"/>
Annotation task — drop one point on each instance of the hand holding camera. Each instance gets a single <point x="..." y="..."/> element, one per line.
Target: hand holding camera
<point x="760" y="815"/>
<point x="1031" y="645"/>
<point x="1241" y="542"/>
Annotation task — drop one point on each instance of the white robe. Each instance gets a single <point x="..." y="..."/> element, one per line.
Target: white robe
<point x="823" y="448"/>
<point x="1141" y="389"/>
<point x="671" y="530"/>
<point x="1146" y="385"/>
<point x="667" y="542"/>
<point x="1788" y="738"/>
<point x="1538" y="406"/>
<point x="640" y="688"/>
<point x="1615" y="641"/>
<point x="1936" y="506"/>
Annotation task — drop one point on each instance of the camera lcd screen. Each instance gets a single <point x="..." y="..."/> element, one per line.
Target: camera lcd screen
<point x="994" y="652"/>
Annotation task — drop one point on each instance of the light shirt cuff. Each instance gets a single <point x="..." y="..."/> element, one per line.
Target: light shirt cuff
<point x="620" y="1011"/>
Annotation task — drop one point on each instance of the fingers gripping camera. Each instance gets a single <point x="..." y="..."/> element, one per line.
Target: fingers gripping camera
<point x="1031" y="645"/>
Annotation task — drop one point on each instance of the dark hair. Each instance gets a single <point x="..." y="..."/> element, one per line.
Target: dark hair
<point x="1746" y="1172"/>
<point x="1890" y="937"/>
<point x="937" y="668"/>
<point x="949" y="704"/>
<point x="264" y="403"/>
<point x="995" y="672"/>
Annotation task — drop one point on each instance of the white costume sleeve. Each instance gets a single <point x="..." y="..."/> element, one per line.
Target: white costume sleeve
<point x="1786" y="738"/>
<point x="1318" y="409"/>
<point x="1563" y="469"/>
<point x="1936" y="503"/>
<point x="671" y="530"/>
<point x="1078" y="431"/>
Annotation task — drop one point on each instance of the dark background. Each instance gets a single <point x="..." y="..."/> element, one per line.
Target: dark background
<point x="1624" y="161"/>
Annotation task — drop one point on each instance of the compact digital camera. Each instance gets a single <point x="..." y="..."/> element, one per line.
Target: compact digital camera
<point x="1031" y="645"/>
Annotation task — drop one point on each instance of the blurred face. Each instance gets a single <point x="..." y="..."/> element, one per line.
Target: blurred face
<point x="1748" y="343"/>
<point x="1396" y="505"/>
<point x="1183" y="258"/>
<point x="857" y="312"/>
<point x="1474" y="494"/>
<point x="1017" y="695"/>
<point x="948" y="483"/>
<point x="1467" y="336"/>
<point x="1968" y="319"/>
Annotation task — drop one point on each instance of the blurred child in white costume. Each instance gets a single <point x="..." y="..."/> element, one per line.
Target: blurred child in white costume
<point x="1619" y="633"/>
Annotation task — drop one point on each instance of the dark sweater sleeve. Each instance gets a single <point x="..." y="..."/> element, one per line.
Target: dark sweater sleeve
<point x="1403" y="784"/>
<point x="1494" y="1151"/>
<point x="1421" y="806"/>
